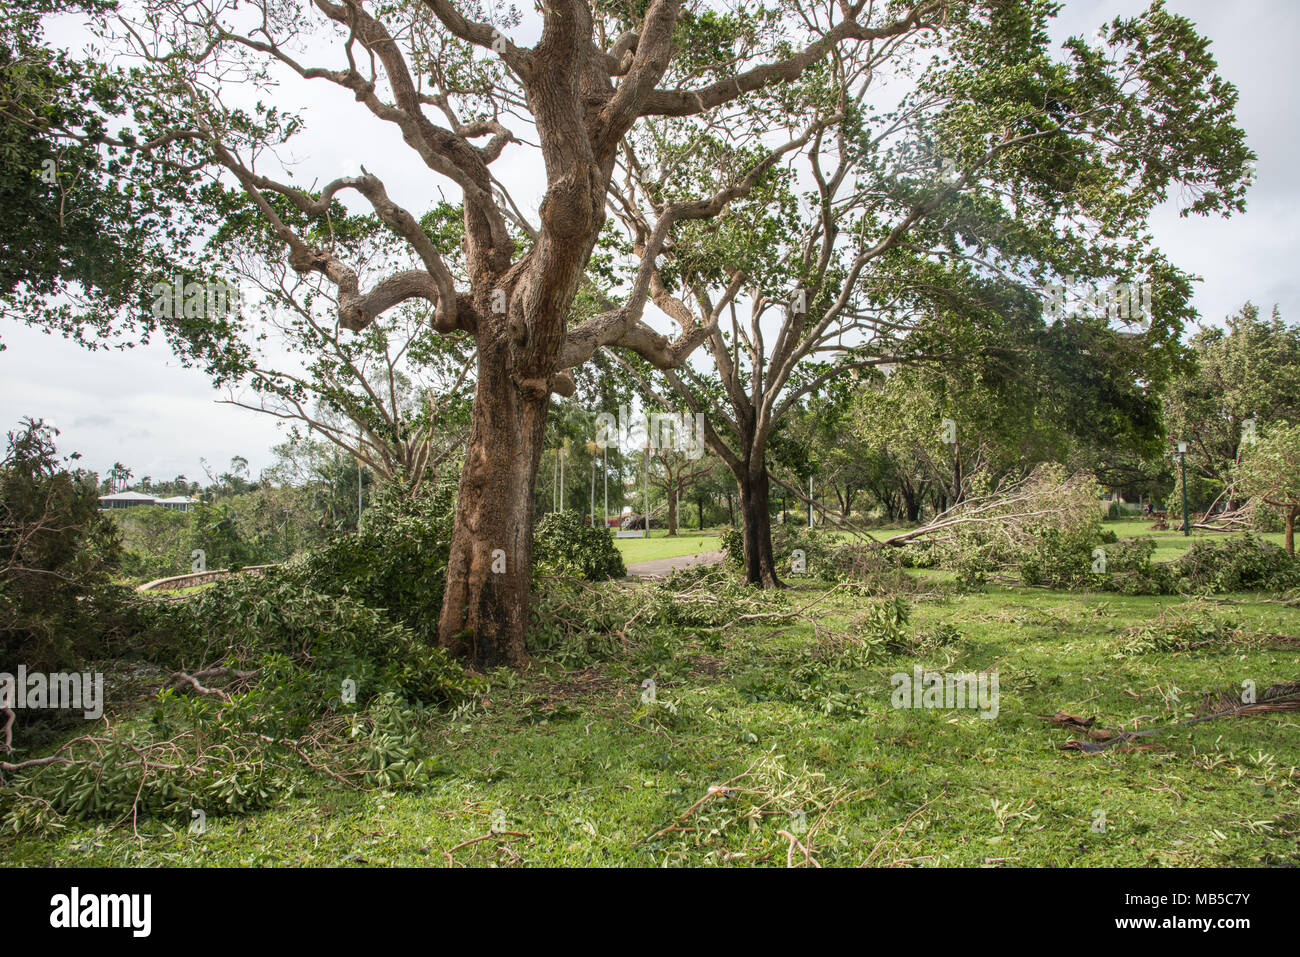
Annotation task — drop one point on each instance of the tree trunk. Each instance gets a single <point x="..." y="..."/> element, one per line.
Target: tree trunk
<point x="485" y="607"/>
<point x="672" y="509"/>
<point x="760" y="566"/>
<point x="1290" y="530"/>
<point x="699" y="505"/>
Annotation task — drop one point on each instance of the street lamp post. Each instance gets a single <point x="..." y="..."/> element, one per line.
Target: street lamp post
<point x="1182" y="462"/>
<point x="647" y="488"/>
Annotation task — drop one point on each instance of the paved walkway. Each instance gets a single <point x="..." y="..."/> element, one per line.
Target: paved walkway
<point x="663" y="567"/>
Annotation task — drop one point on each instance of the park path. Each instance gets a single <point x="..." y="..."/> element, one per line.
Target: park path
<point x="663" y="567"/>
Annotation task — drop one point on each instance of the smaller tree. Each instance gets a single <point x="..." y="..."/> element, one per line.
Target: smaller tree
<point x="57" y="556"/>
<point x="675" y="473"/>
<point x="1270" y="469"/>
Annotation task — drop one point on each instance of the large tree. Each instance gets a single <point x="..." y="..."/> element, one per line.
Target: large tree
<point x="1241" y="380"/>
<point x="1002" y="166"/>
<point x="461" y="87"/>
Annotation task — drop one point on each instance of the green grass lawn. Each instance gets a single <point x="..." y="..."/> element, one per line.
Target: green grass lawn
<point x="574" y="769"/>
<point x="660" y="545"/>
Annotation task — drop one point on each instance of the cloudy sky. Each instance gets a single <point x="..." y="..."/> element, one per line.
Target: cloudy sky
<point x="142" y="408"/>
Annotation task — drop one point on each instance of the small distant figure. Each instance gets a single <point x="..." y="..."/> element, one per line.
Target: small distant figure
<point x="1150" y="510"/>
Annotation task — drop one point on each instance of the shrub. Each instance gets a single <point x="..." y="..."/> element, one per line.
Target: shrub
<point x="1131" y="571"/>
<point x="564" y="544"/>
<point x="57" y="552"/>
<point x="271" y="658"/>
<point x="302" y="643"/>
<point x="397" y="561"/>
<point x="1243" y="563"/>
<point x="1060" y="558"/>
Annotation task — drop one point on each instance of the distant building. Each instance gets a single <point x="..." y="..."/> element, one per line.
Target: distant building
<point x="179" y="503"/>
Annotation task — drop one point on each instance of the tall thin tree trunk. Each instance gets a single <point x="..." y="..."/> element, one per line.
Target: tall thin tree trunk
<point x="1290" y="530"/>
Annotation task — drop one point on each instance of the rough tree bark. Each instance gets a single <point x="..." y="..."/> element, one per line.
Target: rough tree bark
<point x="584" y="92"/>
<point x="755" y="501"/>
<point x="485" y="605"/>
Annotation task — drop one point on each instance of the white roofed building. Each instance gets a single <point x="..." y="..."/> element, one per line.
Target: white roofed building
<point x="180" y="503"/>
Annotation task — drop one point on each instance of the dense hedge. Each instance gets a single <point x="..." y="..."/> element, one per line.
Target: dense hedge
<point x="565" y="544"/>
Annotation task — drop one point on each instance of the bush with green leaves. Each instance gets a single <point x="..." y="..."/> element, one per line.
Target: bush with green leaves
<point x="215" y="754"/>
<point x="303" y="644"/>
<point x="564" y="543"/>
<point x="397" y="561"/>
<point x="1241" y="563"/>
<point x="267" y="678"/>
<point x="1131" y="571"/>
<point x="817" y="545"/>
<point x="57" y="555"/>
<point x="1060" y="558"/>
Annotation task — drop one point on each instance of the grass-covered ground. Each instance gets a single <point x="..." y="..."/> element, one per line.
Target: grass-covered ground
<point x="569" y="766"/>
<point x="660" y="545"/>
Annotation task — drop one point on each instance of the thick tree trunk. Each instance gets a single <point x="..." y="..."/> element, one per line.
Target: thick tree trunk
<point x="1290" y="531"/>
<point x="672" y="510"/>
<point x="760" y="565"/>
<point x="485" y="607"/>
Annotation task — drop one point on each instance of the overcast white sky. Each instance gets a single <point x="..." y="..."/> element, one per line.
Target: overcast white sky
<point x="142" y="408"/>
